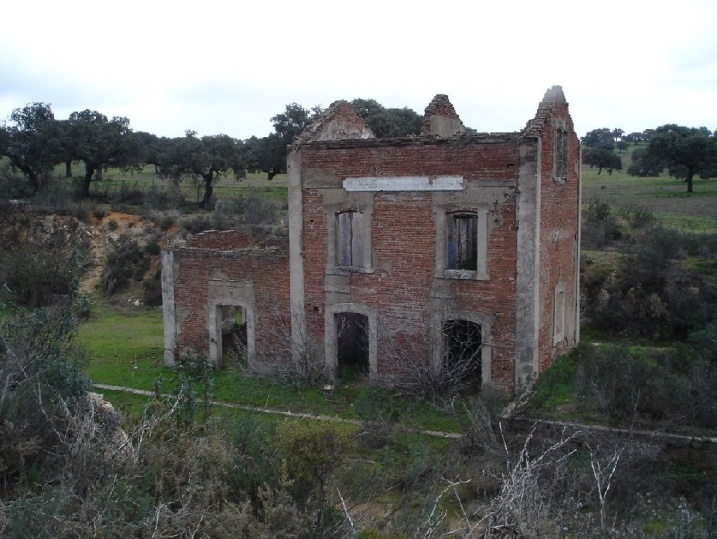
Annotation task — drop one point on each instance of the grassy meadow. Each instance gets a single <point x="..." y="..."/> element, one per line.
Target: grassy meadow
<point x="224" y="187"/>
<point x="666" y="197"/>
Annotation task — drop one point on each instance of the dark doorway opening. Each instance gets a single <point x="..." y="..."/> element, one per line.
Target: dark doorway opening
<point x="462" y="341"/>
<point x="352" y="344"/>
<point x="234" y="334"/>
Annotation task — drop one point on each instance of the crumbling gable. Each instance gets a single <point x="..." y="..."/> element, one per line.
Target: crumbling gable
<point x="339" y="122"/>
<point x="441" y="119"/>
<point x="434" y="251"/>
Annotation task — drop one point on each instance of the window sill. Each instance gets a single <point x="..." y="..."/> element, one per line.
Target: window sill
<point x="468" y="275"/>
<point x="346" y="270"/>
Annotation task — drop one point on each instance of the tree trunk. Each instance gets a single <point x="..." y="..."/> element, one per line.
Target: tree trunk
<point x="688" y="178"/>
<point x="34" y="180"/>
<point x="68" y="168"/>
<point x="85" y="189"/>
<point x="270" y="174"/>
<point x="599" y="170"/>
<point x="208" y="190"/>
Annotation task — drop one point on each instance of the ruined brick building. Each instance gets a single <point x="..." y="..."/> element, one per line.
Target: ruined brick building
<point x="432" y="248"/>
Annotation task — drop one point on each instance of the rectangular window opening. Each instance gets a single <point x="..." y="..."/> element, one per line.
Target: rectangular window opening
<point x="463" y="241"/>
<point x="561" y="154"/>
<point x="350" y="244"/>
<point x="559" y="313"/>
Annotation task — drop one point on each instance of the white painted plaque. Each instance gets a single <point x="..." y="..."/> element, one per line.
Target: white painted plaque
<point x="405" y="183"/>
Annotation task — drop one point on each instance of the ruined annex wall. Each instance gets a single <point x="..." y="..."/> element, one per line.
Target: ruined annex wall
<point x="267" y="269"/>
<point x="223" y="241"/>
<point x="559" y="239"/>
<point x="403" y="284"/>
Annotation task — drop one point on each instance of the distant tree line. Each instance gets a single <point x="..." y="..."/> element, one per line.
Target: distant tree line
<point x="684" y="152"/>
<point x="35" y="142"/>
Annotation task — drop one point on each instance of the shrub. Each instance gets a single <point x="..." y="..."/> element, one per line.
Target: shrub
<point x="651" y="294"/>
<point x="162" y="199"/>
<point x="197" y="224"/>
<point x="313" y="451"/>
<point x="637" y="217"/>
<point x="619" y="384"/>
<point x="39" y="275"/>
<point x="127" y="261"/>
<point x="166" y="222"/>
<point x="152" y="290"/>
<point x="676" y="385"/>
<point x="44" y="388"/>
<point x="13" y="185"/>
<point x="600" y="228"/>
<point x="152" y="248"/>
<point x="126" y="194"/>
<point x="256" y="209"/>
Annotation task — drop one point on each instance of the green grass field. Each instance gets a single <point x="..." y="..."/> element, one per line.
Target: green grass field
<point x="224" y="187"/>
<point x="667" y="197"/>
<point x="125" y="347"/>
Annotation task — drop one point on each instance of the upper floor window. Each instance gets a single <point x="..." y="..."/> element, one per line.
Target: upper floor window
<point x="462" y="241"/>
<point x="350" y="239"/>
<point x="561" y="154"/>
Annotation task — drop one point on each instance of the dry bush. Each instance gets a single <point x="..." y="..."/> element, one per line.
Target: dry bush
<point x="281" y="358"/>
<point x="411" y="368"/>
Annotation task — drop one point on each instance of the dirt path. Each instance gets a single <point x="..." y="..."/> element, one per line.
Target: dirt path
<point x="273" y="411"/>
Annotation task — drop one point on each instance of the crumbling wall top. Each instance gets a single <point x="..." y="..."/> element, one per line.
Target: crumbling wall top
<point x="233" y="240"/>
<point x="441" y="119"/>
<point x="340" y="121"/>
<point x="553" y="96"/>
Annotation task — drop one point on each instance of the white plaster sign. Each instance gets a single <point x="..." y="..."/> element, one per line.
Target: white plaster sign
<point x="405" y="183"/>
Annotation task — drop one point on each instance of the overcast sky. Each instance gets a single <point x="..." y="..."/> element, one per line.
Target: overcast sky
<point x="228" y="67"/>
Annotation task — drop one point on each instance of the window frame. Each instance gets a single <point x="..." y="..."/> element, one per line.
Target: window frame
<point x="561" y="154"/>
<point x="445" y="230"/>
<point x="558" y="313"/>
<point x="364" y="264"/>
<point x="462" y="241"/>
<point x="348" y="222"/>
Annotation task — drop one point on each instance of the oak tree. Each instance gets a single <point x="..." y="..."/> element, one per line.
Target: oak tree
<point x="206" y="159"/>
<point x="388" y="122"/>
<point x="32" y="142"/>
<point x="99" y="142"/>
<point x="683" y="151"/>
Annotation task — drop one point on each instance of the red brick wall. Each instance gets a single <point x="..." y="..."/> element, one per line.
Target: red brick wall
<point x="558" y="236"/>
<point x="404" y="241"/>
<point x="488" y="160"/>
<point x="267" y="269"/>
